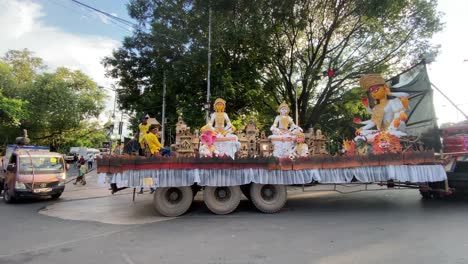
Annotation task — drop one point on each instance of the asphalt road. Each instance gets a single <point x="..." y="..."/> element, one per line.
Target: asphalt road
<point x="372" y="227"/>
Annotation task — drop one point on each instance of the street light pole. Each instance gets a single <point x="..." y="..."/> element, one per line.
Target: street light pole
<point x="207" y="105"/>
<point x="163" y="109"/>
<point x="113" y="123"/>
<point x="113" y="117"/>
<point x="295" y="103"/>
<point x="115" y="101"/>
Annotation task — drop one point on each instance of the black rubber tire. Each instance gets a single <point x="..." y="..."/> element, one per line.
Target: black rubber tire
<point x="268" y="198"/>
<point x="246" y="190"/>
<point x="172" y="201"/>
<point x="425" y="195"/>
<point x="432" y="195"/>
<point x="7" y="197"/>
<point x="56" y="196"/>
<point x="222" y="200"/>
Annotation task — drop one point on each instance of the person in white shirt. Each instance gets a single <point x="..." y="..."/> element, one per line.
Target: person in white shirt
<point x="90" y="161"/>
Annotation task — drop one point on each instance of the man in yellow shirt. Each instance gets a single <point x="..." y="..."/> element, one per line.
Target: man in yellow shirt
<point x="143" y="128"/>
<point x="154" y="146"/>
<point x="153" y="142"/>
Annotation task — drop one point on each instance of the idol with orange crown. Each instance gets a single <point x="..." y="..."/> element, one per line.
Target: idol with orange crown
<point x="284" y="132"/>
<point x="226" y="143"/>
<point x="388" y="114"/>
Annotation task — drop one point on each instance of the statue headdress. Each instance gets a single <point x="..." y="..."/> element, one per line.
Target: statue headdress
<point x="219" y="100"/>
<point x="300" y="135"/>
<point x="373" y="79"/>
<point x="370" y="80"/>
<point x="283" y="104"/>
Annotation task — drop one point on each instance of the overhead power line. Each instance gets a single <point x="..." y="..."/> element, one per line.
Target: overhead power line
<point x="121" y="20"/>
<point x="82" y="10"/>
<point x="118" y="19"/>
<point x="115" y="19"/>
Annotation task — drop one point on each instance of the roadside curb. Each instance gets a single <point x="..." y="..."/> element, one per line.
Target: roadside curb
<point x="64" y="200"/>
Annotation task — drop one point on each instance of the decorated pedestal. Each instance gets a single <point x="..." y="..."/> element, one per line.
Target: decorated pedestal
<point x="282" y="146"/>
<point x="228" y="145"/>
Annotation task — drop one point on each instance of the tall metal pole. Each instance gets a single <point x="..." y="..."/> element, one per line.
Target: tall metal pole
<point x="121" y="126"/>
<point x="297" y="111"/>
<point x="208" y="92"/>
<point x="163" y="109"/>
<point x="113" y="123"/>
<point x="295" y="102"/>
<point x="115" y="100"/>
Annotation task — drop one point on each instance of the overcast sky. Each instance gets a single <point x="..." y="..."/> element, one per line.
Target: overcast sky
<point x="65" y="34"/>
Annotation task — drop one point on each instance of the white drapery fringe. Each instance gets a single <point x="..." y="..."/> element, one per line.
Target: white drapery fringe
<point x="218" y="177"/>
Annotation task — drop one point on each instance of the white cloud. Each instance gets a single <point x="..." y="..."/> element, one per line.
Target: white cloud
<point x="23" y="27"/>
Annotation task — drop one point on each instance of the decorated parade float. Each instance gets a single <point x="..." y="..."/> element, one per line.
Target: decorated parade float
<point x="226" y="163"/>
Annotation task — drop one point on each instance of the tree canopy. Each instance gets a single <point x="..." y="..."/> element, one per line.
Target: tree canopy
<point x="264" y="52"/>
<point x="57" y="108"/>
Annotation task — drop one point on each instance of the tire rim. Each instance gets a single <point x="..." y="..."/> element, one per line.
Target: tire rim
<point x="173" y="195"/>
<point x="222" y="194"/>
<point x="268" y="192"/>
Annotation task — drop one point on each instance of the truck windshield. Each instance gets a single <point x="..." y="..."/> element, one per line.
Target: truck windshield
<point x="41" y="165"/>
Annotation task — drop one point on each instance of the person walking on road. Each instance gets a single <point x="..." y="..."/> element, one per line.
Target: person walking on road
<point x="90" y="162"/>
<point x="142" y="188"/>
<point x="81" y="161"/>
<point x="81" y="173"/>
<point x="75" y="160"/>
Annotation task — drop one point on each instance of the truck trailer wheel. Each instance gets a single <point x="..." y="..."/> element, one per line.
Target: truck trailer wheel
<point x="268" y="198"/>
<point x="172" y="201"/>
<point x="222" y="200"/>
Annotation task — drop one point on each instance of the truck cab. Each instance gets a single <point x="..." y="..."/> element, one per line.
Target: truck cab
<point x="34" y="174"/>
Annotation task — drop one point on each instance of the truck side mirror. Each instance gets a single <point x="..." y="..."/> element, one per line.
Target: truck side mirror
<point x="11" y="167"/>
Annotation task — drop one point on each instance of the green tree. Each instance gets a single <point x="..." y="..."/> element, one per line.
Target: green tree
<point x="24" y="64"/>
<point x="12" y="108"/>
<point x="90" y="134"/>
<point x="264" y="52"/>
<point x="56" y="108"/>
<point x="349" y="37"/>
<point x="61" y="101"/>
<point x="177" y="45"/>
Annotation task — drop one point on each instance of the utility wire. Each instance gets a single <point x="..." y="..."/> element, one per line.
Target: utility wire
<point x="112" y="22"/>
<point x="121" y="20"/>
<point x="118" y="19"/>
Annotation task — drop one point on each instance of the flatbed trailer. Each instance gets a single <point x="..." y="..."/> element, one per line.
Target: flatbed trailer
<point x="264" y="181"/>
